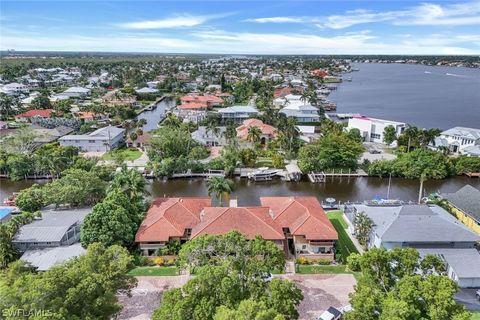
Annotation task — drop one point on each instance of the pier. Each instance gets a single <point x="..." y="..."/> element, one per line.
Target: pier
<point x="321" y="177"/>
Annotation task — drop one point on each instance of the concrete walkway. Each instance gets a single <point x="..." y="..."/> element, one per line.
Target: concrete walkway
<point x="352" y="237"/>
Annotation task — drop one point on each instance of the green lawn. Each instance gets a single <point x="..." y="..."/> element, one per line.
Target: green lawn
<point x="476" y="316"/>
<point x="345" y="245"/>
<point x="129" y="155"/>
<point x="154" y="271"/>
<point x="321" y="269"/>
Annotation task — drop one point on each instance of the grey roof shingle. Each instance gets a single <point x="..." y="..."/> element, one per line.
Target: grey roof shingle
<point x="46" y="258"/>
<point x="52" y="226"/>
<point x="417" y="223"/>
<point x="466" y="199"/>
<point x="465" y="262"/>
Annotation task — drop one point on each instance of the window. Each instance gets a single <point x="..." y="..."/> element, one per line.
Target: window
<point x="91" y="141"/>
<point x="374" y="136"/>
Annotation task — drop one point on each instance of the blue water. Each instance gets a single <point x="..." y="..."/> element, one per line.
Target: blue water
<point x="4" y="212"/>
<point x="425" y="96"/>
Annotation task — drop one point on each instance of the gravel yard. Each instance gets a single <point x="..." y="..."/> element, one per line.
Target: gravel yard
<point x="320" y="292"/>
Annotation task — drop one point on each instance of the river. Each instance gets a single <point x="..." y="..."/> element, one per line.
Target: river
<point x="249" y="192"/>
<point x="425" y="96"/>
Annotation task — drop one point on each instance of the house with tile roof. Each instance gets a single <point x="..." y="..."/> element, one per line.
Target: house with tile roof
<point x="465" y="205"/>
<point x="296" y="224"/>
<point x="39" y="113"/>
<point x="268" y="132"/>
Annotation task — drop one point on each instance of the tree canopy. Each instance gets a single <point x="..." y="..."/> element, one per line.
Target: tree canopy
<point x="82" y="288"/>
<point x="228" y="282"/>
<point x="397" y="284"/>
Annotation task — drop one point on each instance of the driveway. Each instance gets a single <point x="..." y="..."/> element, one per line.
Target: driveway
<point x="320" y="291"/>
<point x="468" y="299"/>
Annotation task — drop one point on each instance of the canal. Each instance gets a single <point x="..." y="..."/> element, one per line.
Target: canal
<point x="154" y="116"/>
<point x="249" y="192"/>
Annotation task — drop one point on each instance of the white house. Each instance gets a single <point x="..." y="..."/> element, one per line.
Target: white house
<point x="14" y="88"/>
<point x="237" y="113"/>
<point x="100" y="140"/>
<point x="303" y="113"/>
<point x="372" y="129"/>
<point x="459" y="140"/>
<point x="146" y="90"/>
<point x="76" y="92"/>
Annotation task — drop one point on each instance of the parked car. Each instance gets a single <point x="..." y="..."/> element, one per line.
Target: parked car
<point x="477" y="294"/>
<point x="331" y="314"/>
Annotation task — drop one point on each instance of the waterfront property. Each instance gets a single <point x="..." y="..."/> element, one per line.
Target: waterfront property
<point x="459" y="140"/>
<point x="14" y="88"/>
<point x="210" y="138"/>
<point x="296" y="224"/>
<point x="371" y="129"/>
<point x="268" y="132"/>
<point x="76" y="92"/>
<point x="423" y="227"/>
<point x="237" y="113"/>
<point x="100" y="140"/>
<point x="465" y="205"/>
<point x="302" y="113"/>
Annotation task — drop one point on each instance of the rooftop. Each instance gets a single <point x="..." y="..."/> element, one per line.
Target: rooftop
<point x="104" y="133"/>
<point x="238" y="109"/>
<point x="46" y="258"/>
<point x="466" y="199"/>
<point x="468" y="133"/>
<point x="465" y="262"/>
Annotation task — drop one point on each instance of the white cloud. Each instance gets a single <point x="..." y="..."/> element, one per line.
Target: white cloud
<point x="281" y="20"/>
<point x="218" y="41"/>
<point x="425" y="14"/>
<point x="181" y="21"/>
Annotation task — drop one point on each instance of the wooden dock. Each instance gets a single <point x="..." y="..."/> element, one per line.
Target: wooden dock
<point x="321" y="177"/>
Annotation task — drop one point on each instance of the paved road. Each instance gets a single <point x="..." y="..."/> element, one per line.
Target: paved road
<point x="468" y="299"/>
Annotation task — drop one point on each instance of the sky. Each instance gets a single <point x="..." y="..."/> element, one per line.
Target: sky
<point x="243" y="27"/>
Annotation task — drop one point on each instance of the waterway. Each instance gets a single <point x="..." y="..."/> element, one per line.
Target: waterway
<point x="425" y="96"/>
<point x="248" y="192"/>
<point x="154" y="116"/>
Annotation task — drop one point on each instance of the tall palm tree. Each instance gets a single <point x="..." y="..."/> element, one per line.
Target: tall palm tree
<point x="254" y="134"/>
<point x="131" y="183"/>
<point x="220" y="187"/>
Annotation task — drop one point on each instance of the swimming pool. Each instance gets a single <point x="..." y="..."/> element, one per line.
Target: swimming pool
<point x="5" y="212"/>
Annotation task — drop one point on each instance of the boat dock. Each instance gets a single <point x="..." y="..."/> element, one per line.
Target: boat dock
<point x="190" y="174"/>
<point x="321" y="177"/>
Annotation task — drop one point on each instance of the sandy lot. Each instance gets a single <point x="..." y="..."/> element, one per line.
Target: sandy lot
<point x="320" y="292"/>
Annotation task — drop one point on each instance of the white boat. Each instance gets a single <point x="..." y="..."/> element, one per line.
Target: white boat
<point x="262" y="174"/>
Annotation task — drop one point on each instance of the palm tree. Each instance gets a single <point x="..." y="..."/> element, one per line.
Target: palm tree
<point x="220" y="187"/>
<point x="131" y="183"/>
<point x="254" y="134"/>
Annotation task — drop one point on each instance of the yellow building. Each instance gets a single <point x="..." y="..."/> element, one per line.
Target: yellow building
<point x="465" y="205"/>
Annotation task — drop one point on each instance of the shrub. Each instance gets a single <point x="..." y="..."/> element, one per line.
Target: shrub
<point x="159" y="261"/>
<point x="303" y="261"/>
<point x="322" y="262"/>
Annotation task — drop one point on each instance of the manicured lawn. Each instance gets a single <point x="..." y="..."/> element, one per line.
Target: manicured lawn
<point x="154" y="271"/>
<point x="321" y="269"/>
<point x="129" y="155"/>
<point x="476" y="316"/>
<point x="345" y="245"/>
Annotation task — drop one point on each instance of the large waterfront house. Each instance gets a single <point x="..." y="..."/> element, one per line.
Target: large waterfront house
<point x="52" y="238"/>
<point x="371" y="129"/>
<point x="14" y="88"/>
<point x="465" y="205"/>
<point x="210" y="138"/>
<point x="296" y="224"/>
<point x="237" y="113"/>
<point x="100" y="140"/>
<point x="207" y="101"/>
<point x="459" y="140"/>
<point x="430" y="230"/>
<point x="267" y="132"/>
<point x="303" y="113"/>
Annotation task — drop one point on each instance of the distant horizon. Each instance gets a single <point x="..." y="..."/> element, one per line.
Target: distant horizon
<point x="237" y="54"/>
<point x="437" y="28"/>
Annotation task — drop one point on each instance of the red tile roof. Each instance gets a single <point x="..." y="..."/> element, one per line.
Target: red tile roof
<point x="192" y="105"/>
<point x="169" y="217"/>
<point x="250" y="221"/>
<point x="202" y="99"/>
<point x="44" y="113"/>
<point x="302" y="215"/>
<point x="242" y="131"/>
